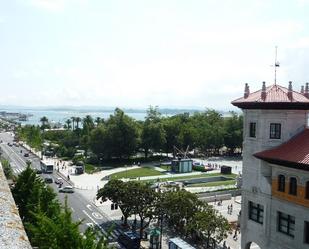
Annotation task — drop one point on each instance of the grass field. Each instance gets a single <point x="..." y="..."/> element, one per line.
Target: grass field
<point x="167" y="168"/>
<point x="90" y="169"/>
<point x="134" y="173"/>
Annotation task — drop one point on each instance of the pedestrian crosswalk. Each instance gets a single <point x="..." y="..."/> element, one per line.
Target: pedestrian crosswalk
<point x="18" y="170"/>
<point x="111" y="233"/>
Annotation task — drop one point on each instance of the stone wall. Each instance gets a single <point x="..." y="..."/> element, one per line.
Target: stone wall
<point x="12" y="232"/>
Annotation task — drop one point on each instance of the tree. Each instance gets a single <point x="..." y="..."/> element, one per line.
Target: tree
<point x="144" y="200"/>
<point x="46" y="224"/>
<point x="44" y="121"/>
<point x="31" y="195"/>
<point x="98" y="121"/>
<point x="73" y="122"/>
<point x="209" y="224"/>
<point x="152" y="137"/>
<point x="233" y="129"/>
<point x="88" y="125"/>
<point x="179" y="208"/>
<point x="98" y="142"/>
<point x="172" y="129"/>
<point x="8" y="172"/>
<point x="68" y="123"/>
<point x="117" y="192"/>
<point x="121" y="135"/>
<point x="77" y="120"/>
<point x="61" y="232"/>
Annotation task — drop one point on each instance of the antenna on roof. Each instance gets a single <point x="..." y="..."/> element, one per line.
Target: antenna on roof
<point x="276" y="65"/>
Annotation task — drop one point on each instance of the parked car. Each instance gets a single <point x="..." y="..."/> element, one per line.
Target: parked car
<point x="38" y="171"/>
<point x="26" y="155"/>
<point x="66" y="189"/>
<point x="48" y="180"/>
<point x="58" y="180"/>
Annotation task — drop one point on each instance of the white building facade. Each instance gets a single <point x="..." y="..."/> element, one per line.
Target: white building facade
<point x="273" y="118"/>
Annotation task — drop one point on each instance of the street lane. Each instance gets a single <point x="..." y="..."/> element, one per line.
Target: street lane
<point x="82" y="210"/>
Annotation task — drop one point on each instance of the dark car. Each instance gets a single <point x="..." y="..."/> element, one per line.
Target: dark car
<point x="48" y="180"/>
<point x="26" y="155"/>
<point x="38" y="171"/>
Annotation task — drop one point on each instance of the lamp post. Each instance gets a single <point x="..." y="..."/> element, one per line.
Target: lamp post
<point x="161" y="227"/>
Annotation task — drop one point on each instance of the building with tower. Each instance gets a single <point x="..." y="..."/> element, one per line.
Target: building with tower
<point x="275" y="188"/>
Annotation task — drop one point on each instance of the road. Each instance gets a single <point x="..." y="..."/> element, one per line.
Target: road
<point x="82" y="210"/>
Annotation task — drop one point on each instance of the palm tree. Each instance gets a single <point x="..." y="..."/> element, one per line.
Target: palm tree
<point x="73" y="122"/>
<point x="68" y="122"/>
<point x="77" y="120"/>
<point x="88" y="123"/>
<point x="44" y="121"/>
<point x="98" y="120"/>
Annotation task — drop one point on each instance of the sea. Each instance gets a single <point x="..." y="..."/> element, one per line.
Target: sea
<point x="61" y="115"/>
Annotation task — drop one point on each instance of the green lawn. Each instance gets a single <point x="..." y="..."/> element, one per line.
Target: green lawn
<point x="134" y="173"/>
<point x="165" y="167"/>
<point x="90" y="169"/>
<point x="213" y="184"/>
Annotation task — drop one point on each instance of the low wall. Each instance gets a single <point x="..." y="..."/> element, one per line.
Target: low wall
<point x="12" y="232"/>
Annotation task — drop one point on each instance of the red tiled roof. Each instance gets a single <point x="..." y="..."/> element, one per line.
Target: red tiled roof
<point x="294" y="152"/>
<point x="275" y="96"/>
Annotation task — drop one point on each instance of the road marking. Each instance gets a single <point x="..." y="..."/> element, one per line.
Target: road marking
<point x="72" y="209"/>
<point x="97" y="215"/>
<point x="90" y="224"/>
<point x="89" y="207"/>
<point x="97" y="224"/>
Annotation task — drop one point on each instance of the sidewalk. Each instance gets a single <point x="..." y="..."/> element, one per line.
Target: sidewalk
<point x="232" y="218"/>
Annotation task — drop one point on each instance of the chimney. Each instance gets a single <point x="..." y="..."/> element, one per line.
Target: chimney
<point x="302" y="90"/>
<point x="306" y="94"/>
<point x="247" y="91"/>
<point x="263" y="92"/>
<point x="290" y="91"/>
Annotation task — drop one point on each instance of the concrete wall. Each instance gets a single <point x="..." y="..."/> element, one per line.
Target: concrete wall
<point x="12" y="233"/>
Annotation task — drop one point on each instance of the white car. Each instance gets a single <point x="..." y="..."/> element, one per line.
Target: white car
<point x="66" y="189"/>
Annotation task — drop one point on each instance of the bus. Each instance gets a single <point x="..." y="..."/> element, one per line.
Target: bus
<point x="47" y="167"/>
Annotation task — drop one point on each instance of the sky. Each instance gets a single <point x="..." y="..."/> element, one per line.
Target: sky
<point x="136" y="53"/>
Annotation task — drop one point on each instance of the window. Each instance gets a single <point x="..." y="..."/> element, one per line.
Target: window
<point x="293" y="186"/>
<point x="281" y="183"/>
<point x="307" y="190"/>
<point x="306" y="232"/>
<point x="252" y="129"/>
<point x="256" y="212"/>
<point x="286" y="224"/>
<point x="275" y="131"/>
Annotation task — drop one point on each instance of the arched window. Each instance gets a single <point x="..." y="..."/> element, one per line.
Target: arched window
<point x="281" y="183"/>
<point x="293" y="186"/>
<point x="307" y="190"/>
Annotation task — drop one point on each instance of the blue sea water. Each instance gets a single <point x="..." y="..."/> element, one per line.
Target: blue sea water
<point x="62" y="115"/>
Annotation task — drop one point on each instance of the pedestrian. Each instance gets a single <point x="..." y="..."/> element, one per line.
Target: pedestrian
<point x="231" y="208"/>
<point x="224" y="244"/>
<point x="68" y="177"/>
<point x="235" y="235"/>
<point x="228" y="209"/>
